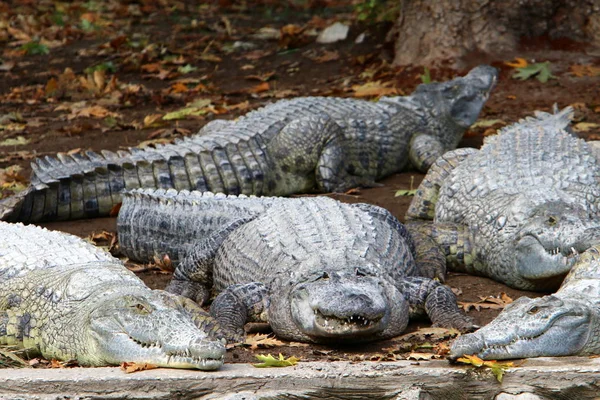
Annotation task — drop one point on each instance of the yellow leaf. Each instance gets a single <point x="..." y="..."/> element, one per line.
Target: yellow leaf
<point x="585" y="70"/>
<point x="152" y="120"/>
<point x="376" y="88"/>
<point x="269" y="361"/>
<point x="471" y="359"/>
<point x="585" y="126"/>
<point x="18" y="141"/>
<point x="518" y="63"/>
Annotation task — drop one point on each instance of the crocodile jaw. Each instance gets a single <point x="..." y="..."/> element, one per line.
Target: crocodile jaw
<point x="538" y="262"/>
<point x="143" y="328"/>
<point x="544" y="327"/>
<point x="342" y="310"/>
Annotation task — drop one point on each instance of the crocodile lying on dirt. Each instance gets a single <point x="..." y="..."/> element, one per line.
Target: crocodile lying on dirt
<point x="562" y="324"/>
<point x="519" y="210"/>
<point x="291" y="146"/>
<point x="315" y="269"/>
<point x="69" y="300"/>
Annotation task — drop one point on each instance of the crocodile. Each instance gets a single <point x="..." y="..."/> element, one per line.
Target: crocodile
<point x="561" y="324"/>
<point x="317" y="270"/>
<point x="291" y="146"/>
<point x="520" y="210"/>
<point x="66" y="299"/>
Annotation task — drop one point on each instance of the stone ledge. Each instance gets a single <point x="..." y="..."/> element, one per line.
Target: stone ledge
<point x="542" y="378"/>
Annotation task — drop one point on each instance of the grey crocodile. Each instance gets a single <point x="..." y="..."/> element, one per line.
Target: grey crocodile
<point x="68" y="300"/>
<point x="291" y="146"/>
<point x="519" y="210"/>
<point x="562" y="324"/>
<point x="315" y="269"/>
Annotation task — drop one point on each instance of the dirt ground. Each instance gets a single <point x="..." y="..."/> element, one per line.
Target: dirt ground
<point x="115" y="69"/>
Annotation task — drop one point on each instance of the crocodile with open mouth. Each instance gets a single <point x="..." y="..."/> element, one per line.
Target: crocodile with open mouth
<point x="316" y="269"/>
<point x="564" y="323"/>
<point x="520" y="209"/>
<point x="68" y="300"/>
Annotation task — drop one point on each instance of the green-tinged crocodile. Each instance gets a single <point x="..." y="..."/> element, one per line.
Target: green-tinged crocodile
<point x="68" y="300"/>
<point x="562" y="324"/>
<point x="291" y="146"/>
<point x="521" y="209"/>
<point x="315" y="269"/>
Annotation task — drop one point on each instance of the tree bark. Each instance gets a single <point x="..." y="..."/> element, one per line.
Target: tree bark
<point x="428" y="32"/>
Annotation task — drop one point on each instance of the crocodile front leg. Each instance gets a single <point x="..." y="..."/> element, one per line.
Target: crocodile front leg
<point x="311" y="153"/>
<point x="454" y="240"/>
<point x="193" y="276"/>
<point x="236" y="305"/>
<point x="437" y="301"/>
<point x="423" y="203"/>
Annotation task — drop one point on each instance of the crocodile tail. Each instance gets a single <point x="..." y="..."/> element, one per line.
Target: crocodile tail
<point x="157" y="222"/>
<point x="557" y="119"/>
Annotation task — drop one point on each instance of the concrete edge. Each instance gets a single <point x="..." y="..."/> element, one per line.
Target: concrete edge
<point x="543" y="378"/>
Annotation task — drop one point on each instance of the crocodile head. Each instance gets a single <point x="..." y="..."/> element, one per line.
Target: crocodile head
<point x="551" y="236"/>
<point x="335" y="306"/>
<point x="543" y="327"/>
<point x="147" y="327"/>
<point x="461" y="99"/>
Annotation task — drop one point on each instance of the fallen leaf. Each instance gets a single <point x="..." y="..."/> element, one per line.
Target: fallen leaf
<point x="152" y="120"/>
<point x="376" y="88"/>
<point x="518" y="63"/>
<point x="541" y="71"/>
<point x="91" y="112"/>
<point x="261" y="87"/>
<point x="185" y="112"/>
<point x="486" y="123"/>
<point x="261" y="340"/>
<point x="130" y="367"/>
<point x="269" y="361"/>
<point x="585" y="126"/>
<point x="489" y="302"/>
<point x="585" y="70"/>
<point x="496" y="368"/>
<point x="18" y="141"/>
<point x="405" y="192"/>
<point x="421" y="356"/>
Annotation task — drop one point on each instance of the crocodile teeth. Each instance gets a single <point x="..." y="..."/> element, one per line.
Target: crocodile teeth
<point x="574" y="251"/>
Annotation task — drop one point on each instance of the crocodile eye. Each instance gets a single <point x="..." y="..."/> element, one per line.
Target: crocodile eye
<point x="324" y="276"/>
<point x="533" y="310"/>
<point x="359" y="272"/>
<point x="552" y="220"/>
<point x="141" y="309"/>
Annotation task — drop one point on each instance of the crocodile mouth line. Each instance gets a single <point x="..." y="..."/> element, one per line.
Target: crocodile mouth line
<point x="355" y="321"/>
<point x="567" y="254"/>
<point x="179" y="357"/>
<point x="505" y="347"/>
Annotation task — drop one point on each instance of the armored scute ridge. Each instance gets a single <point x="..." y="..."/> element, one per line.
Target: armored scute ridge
<point x="69" y="300"/>
<point x="521" y="209"/>
<point x="315" y="269"/>
<point x="291" y="146"/>
<point x="562" y="324"/>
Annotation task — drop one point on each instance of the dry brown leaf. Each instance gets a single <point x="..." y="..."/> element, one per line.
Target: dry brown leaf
<point x="130" y="367"/>
<point x="261" y="340"/>
<point x="376" y="88"/>
<point x="91" y="112"/>
<point x="518" y="63"/>
<point x="585" y="70"/>
<point x="178" y="87"/>
<point x="164" y="264"/>
<point x="262" y="77"/>
<point x="490" y="302"/>
<point x="239" y="106"/>
<point x="261" y="87"/>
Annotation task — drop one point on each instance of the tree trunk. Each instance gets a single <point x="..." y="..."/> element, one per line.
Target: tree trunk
<point x="428" y="32"/>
